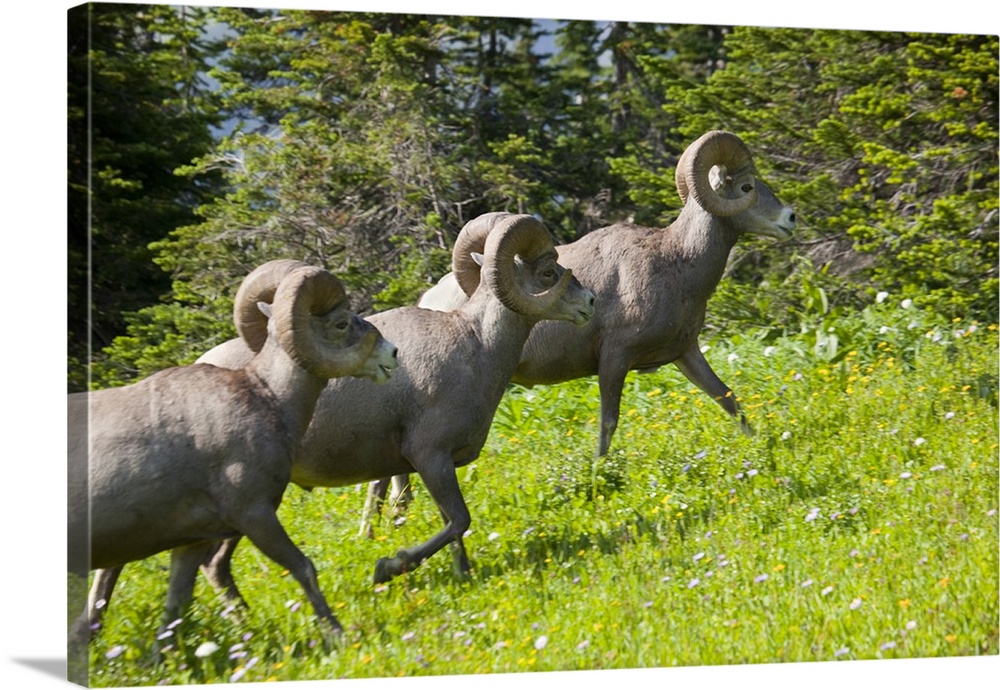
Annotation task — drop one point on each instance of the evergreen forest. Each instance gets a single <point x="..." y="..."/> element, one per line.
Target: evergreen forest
<point x="204" y="141"/>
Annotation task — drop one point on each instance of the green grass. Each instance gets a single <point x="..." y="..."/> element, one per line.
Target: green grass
<point x="858" y="523"/>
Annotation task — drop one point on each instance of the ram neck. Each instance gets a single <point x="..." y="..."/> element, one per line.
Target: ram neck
<point x="293" y="389"/>
<point x="502" y="332"/>
<point x="702" y="243"/>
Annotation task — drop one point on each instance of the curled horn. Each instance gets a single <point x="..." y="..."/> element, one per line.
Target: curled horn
<point x="525" y="236"/>
<point x="472" y="238"/>
<point x="259" y="286"/>
<point x="692" y="175"/>
<point x="306" y="292"/>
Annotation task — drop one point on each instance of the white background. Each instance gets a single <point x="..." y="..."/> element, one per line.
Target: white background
<point x="33" y="251"/>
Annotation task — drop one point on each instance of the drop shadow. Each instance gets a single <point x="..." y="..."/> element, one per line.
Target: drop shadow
<point x="50" y="667"/>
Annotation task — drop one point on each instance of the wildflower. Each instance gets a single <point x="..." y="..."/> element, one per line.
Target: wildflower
<point x="693" y="583"/>
<point x="855" y="604"/>
<point x="760" y="578"/>
<point x="698" y="556"/>
<point x="114" y="652"/>
<point x="910" y="625"/>
<point x="949" y="415"/>
<point x="905" y="603"/>
<point x="906" y="303"/>
<point x="813" y="514"/>
<point x="842" y="651"/>
<point x="951" y="638"/>
<point x="237" y="675"/>
<point x="880" y="297"/>
<point x="769" y="350"/>
<point x="778" y="568"/>
<point x="165" y="634"/>
<point x="733" y="357"/>
<point x="827" y="590"/>
<point x="541" y="642"/>
<point x="647" y="604"/>
<point x="493" y="536"/>
<point x="797" y="377"/>
<point x="700" y="454"/>
<point x="919" y="441"/>
<point x="786" y="435"/>
<point x="206" y="649"/>
<point x="991" y="512"/>
<point x="751" y="473"/>
<point x="887" y="645"/>
<point x="937" y="468"/>
<point x="905" y="475"/>
<point x="583" y="645"/>
<point x="293" y="605"/>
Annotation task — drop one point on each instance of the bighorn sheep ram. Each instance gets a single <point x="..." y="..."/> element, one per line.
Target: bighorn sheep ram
<point x="194" y="454"/>
<point x="435" y="413"/>
<point x="652" y="286"/>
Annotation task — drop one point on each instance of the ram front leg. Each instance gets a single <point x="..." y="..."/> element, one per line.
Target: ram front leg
<point x="442" y="484"/>
<point x="696" y="369"/>
<point x="611" y="380"/>
<point x="261" y="526"/>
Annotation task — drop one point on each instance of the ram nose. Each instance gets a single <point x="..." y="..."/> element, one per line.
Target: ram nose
<point x="586" y="312"/>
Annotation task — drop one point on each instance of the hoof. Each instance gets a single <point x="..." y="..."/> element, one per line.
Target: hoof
<point x="386" y="569"/>
<point x="333" y="635"/>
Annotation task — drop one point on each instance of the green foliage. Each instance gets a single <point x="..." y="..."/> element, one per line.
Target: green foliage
<point x="858" y="523"/>
<point x="137" y="110"/>
<point x="886" y="145"/>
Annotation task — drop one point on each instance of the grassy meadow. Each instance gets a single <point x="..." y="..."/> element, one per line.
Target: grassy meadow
<point x="859" y="522"/>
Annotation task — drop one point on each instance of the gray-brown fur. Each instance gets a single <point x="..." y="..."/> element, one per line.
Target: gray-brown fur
<point x="191" y="455"/>
<point x="652" y="287"/>
<point x="653" y="284"/>
<point x="435" y="412"/>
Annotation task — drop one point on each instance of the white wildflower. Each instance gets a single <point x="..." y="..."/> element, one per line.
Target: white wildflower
<point x="206" y="649"/>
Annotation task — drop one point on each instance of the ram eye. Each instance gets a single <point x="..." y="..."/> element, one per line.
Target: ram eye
<point x="747" y="188"/>
<point x="342" y="325"/>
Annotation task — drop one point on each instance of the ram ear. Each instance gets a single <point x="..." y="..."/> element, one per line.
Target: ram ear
<point x="265" y="309"/>
<point x="478" y="258"/>
<point x="717" y="176"/>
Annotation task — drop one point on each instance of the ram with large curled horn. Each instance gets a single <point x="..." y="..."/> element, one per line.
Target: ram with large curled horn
<point x="435" y="413"/>
<point x="194" y="453"/>
<point x="652" y="285"/>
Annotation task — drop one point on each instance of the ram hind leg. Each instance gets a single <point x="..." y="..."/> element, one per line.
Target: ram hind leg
<point x="97" y="603"/>
<point x="399" y="499"/>
<point x="218" y="570"/>
<point x="441" y="481"/>
<point x="696" y="369"/>
<point x="184" y="562"/>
